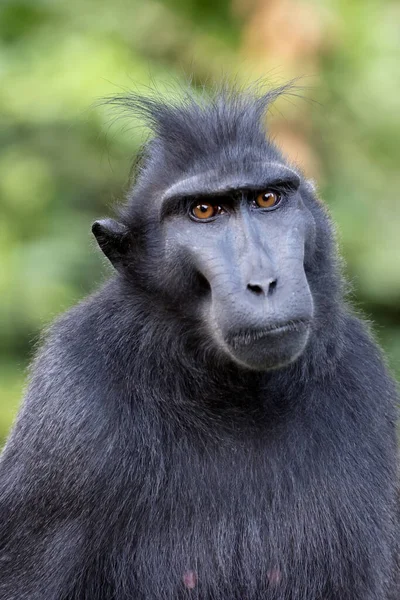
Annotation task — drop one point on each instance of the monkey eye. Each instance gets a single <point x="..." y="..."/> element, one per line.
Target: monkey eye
<point x="205" y="211"/>
<point x="267" y="199"/>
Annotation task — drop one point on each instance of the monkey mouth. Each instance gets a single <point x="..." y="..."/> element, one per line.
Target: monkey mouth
<point x="246" y="337"/>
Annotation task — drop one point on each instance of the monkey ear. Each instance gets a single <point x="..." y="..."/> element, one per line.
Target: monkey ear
<point x="113" y="238"/>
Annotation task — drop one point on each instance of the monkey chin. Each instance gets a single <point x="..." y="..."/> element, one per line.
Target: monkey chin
<point x="269" y="348"/>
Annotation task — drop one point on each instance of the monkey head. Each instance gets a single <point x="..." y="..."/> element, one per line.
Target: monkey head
<point x="224" y="232"/>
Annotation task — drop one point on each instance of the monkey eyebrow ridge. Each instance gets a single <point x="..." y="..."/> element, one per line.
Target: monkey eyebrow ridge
<point x="210" y="182"/>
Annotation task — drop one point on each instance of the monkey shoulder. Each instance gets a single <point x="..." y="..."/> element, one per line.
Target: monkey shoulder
<point x="363" y="371"/>
<point x="80" y="349"/>
<point x="72" y="407"/>
<point x="360" y="403"/>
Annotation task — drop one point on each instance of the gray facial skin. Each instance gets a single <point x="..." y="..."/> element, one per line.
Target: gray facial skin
<point x="259" y="309"/>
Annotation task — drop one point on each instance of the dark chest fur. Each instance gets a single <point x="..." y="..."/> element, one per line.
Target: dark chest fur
<point x="257" y="516"/>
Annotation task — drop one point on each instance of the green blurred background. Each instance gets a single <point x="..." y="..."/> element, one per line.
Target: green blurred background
<point x="64" y="161"/>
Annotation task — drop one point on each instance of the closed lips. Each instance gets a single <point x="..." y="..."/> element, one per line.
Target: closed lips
<point x="246" y="337"/>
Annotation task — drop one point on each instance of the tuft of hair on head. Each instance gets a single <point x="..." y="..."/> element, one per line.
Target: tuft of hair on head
<point x="187" y="123"/>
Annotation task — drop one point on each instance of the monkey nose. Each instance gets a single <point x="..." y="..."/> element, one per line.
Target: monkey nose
<point x="265" y="288"/>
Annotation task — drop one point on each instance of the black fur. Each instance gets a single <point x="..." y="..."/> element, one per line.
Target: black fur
<point x="146" y="465"/>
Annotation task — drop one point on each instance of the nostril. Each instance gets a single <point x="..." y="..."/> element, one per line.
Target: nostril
<point x="259" y="290"/>
<point x="256" y="289"/>
<point x="272" y="287"/>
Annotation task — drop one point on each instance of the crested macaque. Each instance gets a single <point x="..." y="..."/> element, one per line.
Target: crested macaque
<point x="215" y="422"/>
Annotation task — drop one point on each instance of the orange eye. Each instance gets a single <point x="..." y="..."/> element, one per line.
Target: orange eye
<point x="205" y="210"/>
<point x="268" y="199"/>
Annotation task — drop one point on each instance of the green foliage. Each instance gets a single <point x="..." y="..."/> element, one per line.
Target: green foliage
<point x="64" y="161"/>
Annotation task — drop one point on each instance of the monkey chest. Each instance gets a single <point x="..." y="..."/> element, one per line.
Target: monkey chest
<point x="251" y="530"/>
